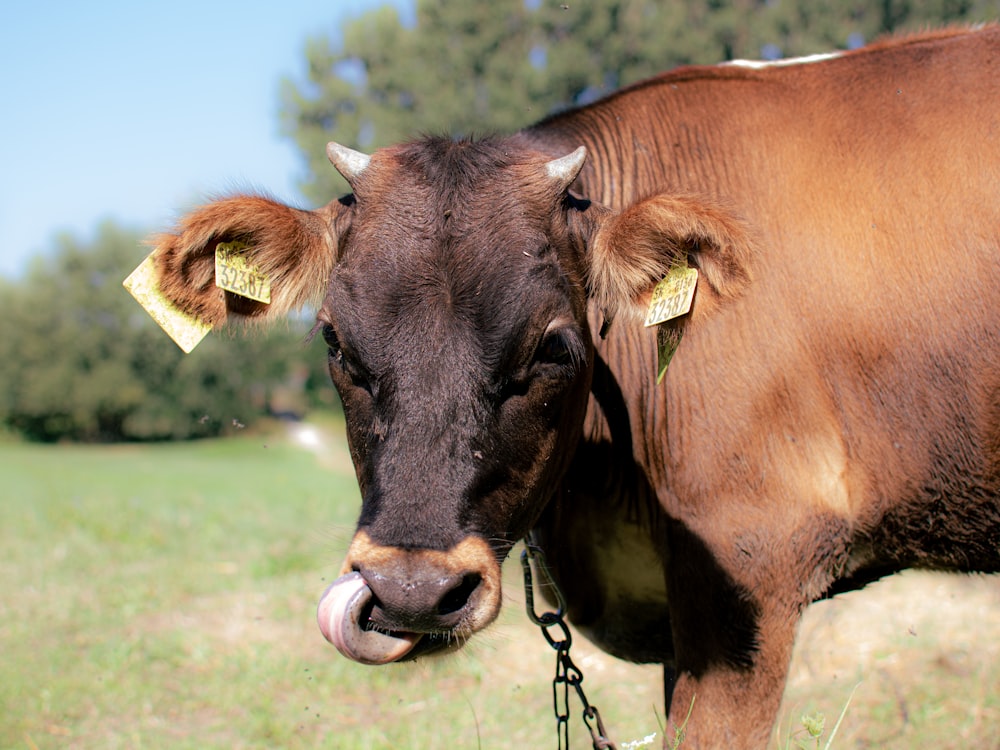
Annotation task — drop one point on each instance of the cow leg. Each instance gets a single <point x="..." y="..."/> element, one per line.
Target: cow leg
<point x="733" y="644"/>
<point x="730" y="707"/>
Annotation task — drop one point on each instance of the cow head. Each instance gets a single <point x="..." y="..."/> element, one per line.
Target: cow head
<point x="455" y="283"/>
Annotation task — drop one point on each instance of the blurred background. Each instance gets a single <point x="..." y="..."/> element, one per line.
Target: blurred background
<point x="168" y="521"/>
<point x="119" y="117"/>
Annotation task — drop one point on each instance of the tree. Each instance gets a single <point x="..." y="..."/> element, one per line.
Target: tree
<point x="83" y="361"/>
<point x="468" y="68"/>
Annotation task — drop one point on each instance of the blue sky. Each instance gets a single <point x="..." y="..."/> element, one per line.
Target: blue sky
<point x="134" y="111"/>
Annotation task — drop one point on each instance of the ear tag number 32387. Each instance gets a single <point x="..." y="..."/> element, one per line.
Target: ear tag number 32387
<point x="234" y="273"/>
<point x="672" y="297"/>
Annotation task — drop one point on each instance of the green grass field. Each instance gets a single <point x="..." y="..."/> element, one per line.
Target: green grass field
<point x="164" y="597"/>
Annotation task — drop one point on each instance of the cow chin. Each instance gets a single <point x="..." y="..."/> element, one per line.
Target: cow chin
<point x="394" y="604"/>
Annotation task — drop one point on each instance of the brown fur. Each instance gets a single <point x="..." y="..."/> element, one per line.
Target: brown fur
<point x="294" y="249"/>
<point x="834" y="420"/>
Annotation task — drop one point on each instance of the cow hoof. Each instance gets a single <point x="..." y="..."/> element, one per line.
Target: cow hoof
<point x="341" y="616"/>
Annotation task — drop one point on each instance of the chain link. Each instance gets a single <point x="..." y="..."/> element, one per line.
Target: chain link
<point x="568" y="675"/>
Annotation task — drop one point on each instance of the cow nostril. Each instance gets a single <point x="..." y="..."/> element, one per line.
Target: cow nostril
<point x="458" y="597"/>
<point x="365" y="614"/>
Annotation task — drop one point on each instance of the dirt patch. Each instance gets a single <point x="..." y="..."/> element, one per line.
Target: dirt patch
<point x="921" y="653"/>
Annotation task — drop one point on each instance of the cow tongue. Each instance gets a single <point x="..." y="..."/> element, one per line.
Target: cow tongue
<point x="339" y="617"/>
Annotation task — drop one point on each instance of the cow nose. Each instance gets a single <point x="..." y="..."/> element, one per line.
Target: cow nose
<point x="433" y="602"/>
<point x="453" y="592"/>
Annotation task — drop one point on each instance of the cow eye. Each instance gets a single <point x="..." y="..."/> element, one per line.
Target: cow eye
<point x="554" y="349"/>
<point x="357" y="375"/>
<point x="333" y="345"/>
<point x="560" y="348"/>
<point x="330" y="337"/>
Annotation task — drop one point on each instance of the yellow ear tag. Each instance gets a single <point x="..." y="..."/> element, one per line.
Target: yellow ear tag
<point x="234" y="273"/>
<point x="143" y="284"/>
<point x="672" y="297"/>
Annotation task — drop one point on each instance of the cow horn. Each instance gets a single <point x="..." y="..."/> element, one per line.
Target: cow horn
<point x="349" y="163"/>
<point x="565" y="169"/>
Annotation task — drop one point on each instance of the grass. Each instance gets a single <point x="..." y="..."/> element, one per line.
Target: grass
<point x="813" y="730"/>
<point x="163" y="597"/>
<point x="143" y="583"/>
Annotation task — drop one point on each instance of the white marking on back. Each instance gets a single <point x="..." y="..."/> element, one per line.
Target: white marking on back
<point x="784" y="62"/>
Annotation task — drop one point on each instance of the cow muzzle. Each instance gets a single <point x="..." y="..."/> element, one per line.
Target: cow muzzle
<point x="393" y="604"/>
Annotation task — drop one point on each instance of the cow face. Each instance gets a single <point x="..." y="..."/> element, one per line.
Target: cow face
<point x="456" y="324"/>
<point x="454" y="285"/>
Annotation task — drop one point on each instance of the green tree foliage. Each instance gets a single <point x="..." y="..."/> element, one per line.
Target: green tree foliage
<point x="467" y="68"/>
<point x="83" y="361"/>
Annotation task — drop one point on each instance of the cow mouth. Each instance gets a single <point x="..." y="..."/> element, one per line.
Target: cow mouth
<point x="344" y="618"/>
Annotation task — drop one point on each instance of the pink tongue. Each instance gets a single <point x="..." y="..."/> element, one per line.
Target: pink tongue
<point x="338" y="616"/>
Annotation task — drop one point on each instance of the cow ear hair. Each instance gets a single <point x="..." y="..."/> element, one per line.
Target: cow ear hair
<point x="631" y="251"/>
<point x="294" y="250"/>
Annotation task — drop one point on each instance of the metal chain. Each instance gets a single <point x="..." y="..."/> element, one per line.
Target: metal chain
<point x="567" y="673"/>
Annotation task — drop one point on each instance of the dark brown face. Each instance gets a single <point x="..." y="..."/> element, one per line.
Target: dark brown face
<point x="455" y="312"/>
<point x="456" y="324"/>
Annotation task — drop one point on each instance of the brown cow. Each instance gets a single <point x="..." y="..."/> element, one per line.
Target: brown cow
<point x="831" y="414"/>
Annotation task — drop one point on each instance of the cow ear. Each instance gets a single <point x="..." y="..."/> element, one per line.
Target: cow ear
<point x="631" y="251"/>
<point x="291" y="250"/>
